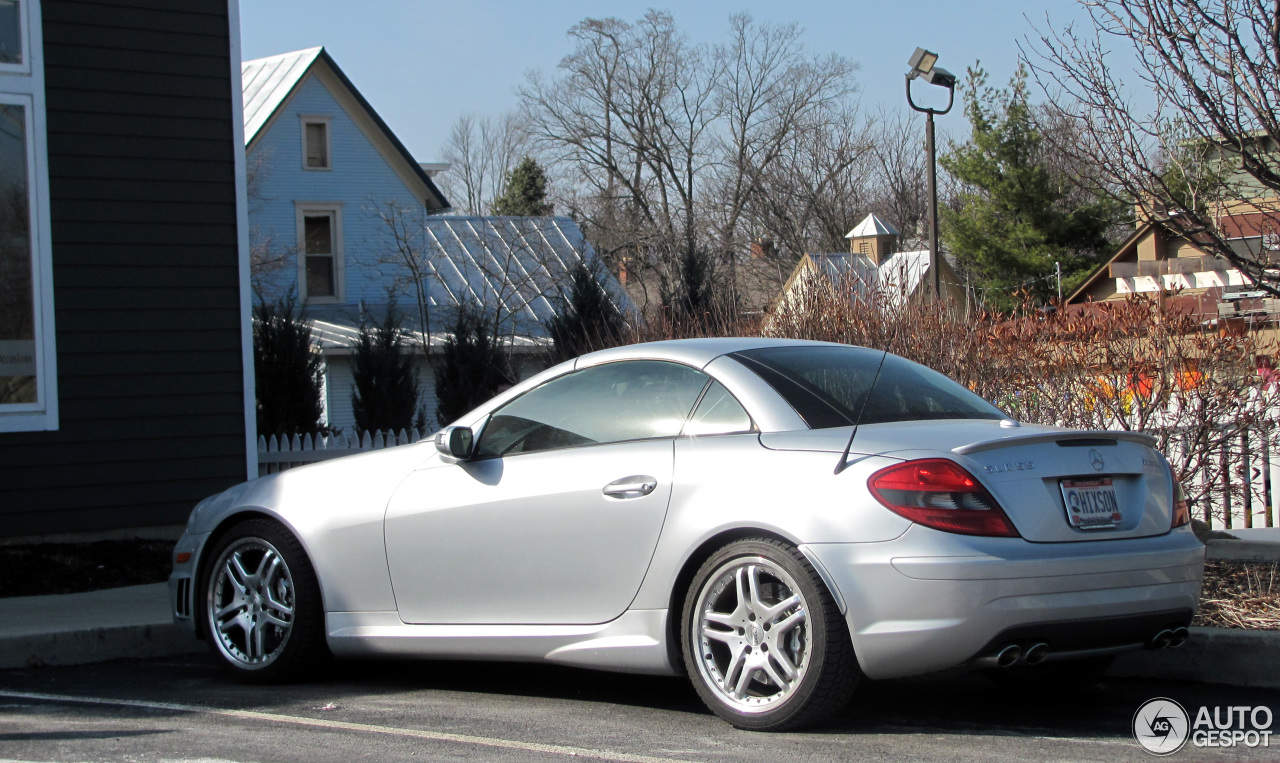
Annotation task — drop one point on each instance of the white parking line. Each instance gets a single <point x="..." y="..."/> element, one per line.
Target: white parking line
<point x="437" y="736"/>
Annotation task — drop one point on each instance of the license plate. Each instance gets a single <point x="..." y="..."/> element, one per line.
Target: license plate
<point x="1091" y="504"/>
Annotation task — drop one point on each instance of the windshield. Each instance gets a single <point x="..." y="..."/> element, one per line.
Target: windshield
<point x="828" y="385"/>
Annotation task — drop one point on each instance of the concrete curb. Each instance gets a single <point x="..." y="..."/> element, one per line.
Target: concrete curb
<point x="78" y="628"/>
<point x="1211" y="655"/>
<point x="81" y="647"/>
<point x="1242" y="550"/>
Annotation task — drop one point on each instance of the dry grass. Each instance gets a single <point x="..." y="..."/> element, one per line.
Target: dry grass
<point x="1241" y="595"/>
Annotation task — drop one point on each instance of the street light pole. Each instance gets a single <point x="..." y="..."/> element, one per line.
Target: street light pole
<point x="922" y="65"/>
<point x="933" y="207"/>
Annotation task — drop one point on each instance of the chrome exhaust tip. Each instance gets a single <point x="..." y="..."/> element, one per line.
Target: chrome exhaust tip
<point x="1008" y="656"/>
<point x="1036" y="653"/>
<point x="1179" y="637"/>
<point x="1161" y="640"/>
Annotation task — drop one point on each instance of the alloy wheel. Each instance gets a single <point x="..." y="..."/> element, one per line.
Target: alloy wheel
<point x="251" y="603"/>
<point x="750" y="626"/>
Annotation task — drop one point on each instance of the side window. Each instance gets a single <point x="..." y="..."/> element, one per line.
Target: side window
<point x="614" y="402"/>
<point x="718" y="413"/>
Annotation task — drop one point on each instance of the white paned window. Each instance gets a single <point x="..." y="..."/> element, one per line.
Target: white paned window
<point x="14" y="57"/>
<point x="28" y="378"/>
<point x="320" y="266"/>
<point x="315" y="143"/>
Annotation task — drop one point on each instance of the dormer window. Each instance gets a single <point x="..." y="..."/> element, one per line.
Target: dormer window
<point x="315" y="143"/>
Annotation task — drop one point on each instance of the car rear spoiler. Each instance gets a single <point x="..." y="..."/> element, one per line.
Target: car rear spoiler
<point x="1065" y="439"/>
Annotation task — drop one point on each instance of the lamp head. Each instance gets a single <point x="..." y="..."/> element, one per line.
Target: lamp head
<point x="939" y="76"/>
<point x="922" y="62"/>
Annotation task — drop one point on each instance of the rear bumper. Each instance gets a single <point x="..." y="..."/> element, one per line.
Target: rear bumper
<point x="929" y="600"/>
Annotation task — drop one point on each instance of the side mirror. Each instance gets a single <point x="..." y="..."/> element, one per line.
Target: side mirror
<point x="455" y="442"/>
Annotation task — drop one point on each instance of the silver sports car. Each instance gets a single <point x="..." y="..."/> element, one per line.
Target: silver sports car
<point x="776" y="519"/>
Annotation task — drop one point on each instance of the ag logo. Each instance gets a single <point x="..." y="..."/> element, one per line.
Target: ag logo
<point x="1161" y="726"/>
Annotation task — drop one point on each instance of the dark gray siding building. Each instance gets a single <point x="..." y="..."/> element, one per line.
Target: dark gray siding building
<point x="135" y="405"/>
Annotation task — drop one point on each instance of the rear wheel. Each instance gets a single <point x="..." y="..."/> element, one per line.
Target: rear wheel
<point x="764" y="643"/>
<point x="261" y="604"/>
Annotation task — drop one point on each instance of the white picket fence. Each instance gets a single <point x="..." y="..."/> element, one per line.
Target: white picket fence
<point x="1232" y="489"/>
<point x="275" y="454"/>
<point x="1235" y="486"/>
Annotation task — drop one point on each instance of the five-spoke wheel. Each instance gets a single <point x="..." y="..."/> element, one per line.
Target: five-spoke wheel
<point x="262" y="605"/>
<point x="764" y="642"/>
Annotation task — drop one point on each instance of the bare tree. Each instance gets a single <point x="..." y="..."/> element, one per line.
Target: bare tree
<point x="778" y="105"/>
<point x="481" y="152"/>
<point x="670" y="143"/>
<point x="267" y="255"/>
<point x="1202" y="159"/>
<point x="405" y="251"/>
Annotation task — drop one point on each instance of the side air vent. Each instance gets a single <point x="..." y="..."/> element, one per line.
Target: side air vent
<point x="183" y="605"/>
<point x="1088" y="442"/>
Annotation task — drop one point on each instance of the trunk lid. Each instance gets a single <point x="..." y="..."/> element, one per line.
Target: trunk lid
<point x="1025" y="468"/>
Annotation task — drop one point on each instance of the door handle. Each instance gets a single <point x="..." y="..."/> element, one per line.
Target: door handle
<point x="635" y="486"/>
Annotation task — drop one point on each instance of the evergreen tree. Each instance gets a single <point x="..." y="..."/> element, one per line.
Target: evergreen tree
<point x="470" y="368"/>
<point x="526" y="192"/>
<point x="288" y="371"/>
<point x="386" y="391"/>
<point x="1014" y="217"/>
<point x="588" y="320"/>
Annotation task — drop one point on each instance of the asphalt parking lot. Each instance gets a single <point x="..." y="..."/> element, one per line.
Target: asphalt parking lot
<point x="187" y="709"/>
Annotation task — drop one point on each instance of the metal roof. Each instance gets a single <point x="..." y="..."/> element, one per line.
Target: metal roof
<point x="514" y="268"/>
<point x="339" y="338"/>
<point x="872" y="226"/>
<point x="267" y="82"/>
<point x="896" y="278"/>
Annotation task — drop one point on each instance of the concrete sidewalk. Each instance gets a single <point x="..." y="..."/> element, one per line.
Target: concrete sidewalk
<point x="79" y="628"/>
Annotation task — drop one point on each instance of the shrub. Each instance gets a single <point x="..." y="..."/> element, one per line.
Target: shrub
<point x="472" y="367"/>
<point x="288" y="371"/>
<point x="588" y="320"/>
<point x="386" y="393"/>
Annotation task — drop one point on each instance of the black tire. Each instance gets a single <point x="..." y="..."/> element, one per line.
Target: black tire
<point x="258" y="641"/>
<point x="816" y="646"/>
<point x="1067" y="675"/>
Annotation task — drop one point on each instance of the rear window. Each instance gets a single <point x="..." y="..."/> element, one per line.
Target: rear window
<point x="827" y="386"/>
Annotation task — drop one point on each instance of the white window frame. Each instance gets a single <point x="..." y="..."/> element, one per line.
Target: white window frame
<point x="310" y="119"/>
<point x="24" y="37"/>
<point x="333" y="209"/>
<point x="24" y="86"/>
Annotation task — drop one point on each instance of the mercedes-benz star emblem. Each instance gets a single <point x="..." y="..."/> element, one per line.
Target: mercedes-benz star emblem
<point x="1095" y="460"/>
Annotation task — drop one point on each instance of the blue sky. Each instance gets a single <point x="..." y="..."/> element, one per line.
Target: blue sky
<point x="422" y="64"/>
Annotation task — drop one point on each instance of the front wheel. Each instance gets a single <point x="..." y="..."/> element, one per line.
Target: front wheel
<point x="261" y="606"/>
<point x="764" y="642"/>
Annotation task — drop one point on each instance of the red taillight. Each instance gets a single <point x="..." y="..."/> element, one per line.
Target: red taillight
<point x="1181" y="506"/>
<point x="940" y="494"/>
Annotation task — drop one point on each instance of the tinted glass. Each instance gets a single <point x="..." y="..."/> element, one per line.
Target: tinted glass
<point x="17" y="303"/>
<point x="718" y="413"/>
<point x="827" y="386"/>
<point x="615" y="402"/>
